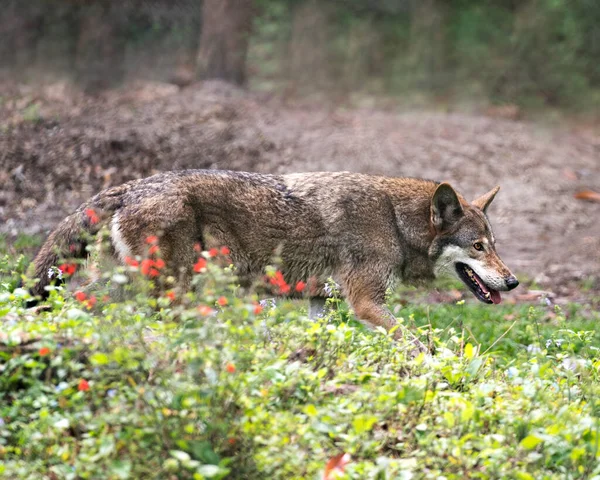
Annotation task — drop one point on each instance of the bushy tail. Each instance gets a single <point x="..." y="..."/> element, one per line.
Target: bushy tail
<point x="67" y="241"/>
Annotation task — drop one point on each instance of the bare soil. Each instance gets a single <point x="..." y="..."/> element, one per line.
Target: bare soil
<point x="58" y="147"/>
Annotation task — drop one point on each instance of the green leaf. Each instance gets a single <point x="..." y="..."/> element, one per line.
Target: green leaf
<point x="524" y="476"/>
<point x="530" y="442"/>
<point x="474" y="366"/>
<point x="310" y="410"/>
<point x="363" y="423"/>
<point x="99" y="358"/>
<point x="122" y="469"/>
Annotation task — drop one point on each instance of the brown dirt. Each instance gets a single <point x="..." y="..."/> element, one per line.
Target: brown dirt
<point x="58" y="147"/>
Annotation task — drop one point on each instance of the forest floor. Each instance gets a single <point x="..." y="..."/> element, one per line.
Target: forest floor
<point x="59" y="146"/>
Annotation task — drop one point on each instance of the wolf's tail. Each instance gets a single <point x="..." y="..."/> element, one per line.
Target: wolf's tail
<point x="67" y="241"/>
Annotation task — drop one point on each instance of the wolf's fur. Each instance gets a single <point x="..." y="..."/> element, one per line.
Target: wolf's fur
<point x="363" y="230"/>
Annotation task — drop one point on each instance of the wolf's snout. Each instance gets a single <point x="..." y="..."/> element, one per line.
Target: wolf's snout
<point x="512" y="282"/>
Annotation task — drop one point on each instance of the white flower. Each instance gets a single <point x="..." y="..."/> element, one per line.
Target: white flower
<point x="54" y="272"/>
<point x="268" y="303"/>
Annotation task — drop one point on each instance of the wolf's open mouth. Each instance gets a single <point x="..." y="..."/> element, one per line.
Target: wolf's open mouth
<point x="476" y="284"/>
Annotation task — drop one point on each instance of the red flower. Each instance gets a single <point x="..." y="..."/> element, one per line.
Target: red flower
<point x="92" y="216"/>
<point x="153" y="249"/>
<point x="225" y="251"/>
<point x="213" y="252"/>
<point x="200" y="265"/>
<point x="67" y="268"/>
<point x="197" y="247"/>
<point x="91" y="302"/>
<point x="153" y="273"/>
<point x="83" y="386"/>
<point x="80" y="296"/>
<point x="231" y="441"/>
<point x="170" y="295"/>
<point x="278" y="281"/>
<point x="222" y="301"/>
<point x="132" y="262"/>
<point x="230" y="367"/>
<point x="152" y="239"/>
<point x="159" y="263"/>
<point x="257" y="309"/>
<point x="300" y="286"/>
<point x="44" y="351"/>
<point x="146" y="266"/>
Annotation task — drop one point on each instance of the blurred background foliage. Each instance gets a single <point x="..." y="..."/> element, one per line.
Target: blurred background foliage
<point x="530" y="53"/>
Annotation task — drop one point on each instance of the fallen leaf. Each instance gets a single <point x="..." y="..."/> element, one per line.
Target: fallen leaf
<point x="335" y="466"/>
<point x="588" y="195"/>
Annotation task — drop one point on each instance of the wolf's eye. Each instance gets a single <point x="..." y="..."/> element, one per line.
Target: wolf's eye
<point x="478" y="246"/>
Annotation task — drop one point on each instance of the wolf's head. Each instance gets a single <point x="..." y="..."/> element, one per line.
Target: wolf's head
<point x="464" y="245"/>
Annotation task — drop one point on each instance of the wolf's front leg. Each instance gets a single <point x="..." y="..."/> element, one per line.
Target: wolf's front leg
<point x="367" y="298"/>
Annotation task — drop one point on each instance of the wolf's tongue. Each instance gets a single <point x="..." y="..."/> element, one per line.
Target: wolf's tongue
<point x="495" y="294"/>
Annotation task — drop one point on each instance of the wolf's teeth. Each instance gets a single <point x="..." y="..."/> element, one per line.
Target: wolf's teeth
<point x="487" y="295"/>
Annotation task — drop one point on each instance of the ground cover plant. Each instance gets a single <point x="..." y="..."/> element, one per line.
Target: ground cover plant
<point x="212" y="384"/>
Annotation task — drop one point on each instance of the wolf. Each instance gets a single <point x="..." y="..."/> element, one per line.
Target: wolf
<point x="364" y="231"/>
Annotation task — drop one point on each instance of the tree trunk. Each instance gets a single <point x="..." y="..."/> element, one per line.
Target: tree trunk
<point x="226" y="27"/>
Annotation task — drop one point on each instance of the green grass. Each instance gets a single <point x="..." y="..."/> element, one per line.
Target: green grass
<point x="149" y="388"/>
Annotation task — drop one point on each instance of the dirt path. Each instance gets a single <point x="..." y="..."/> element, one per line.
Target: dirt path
<point x="57" y="148"/>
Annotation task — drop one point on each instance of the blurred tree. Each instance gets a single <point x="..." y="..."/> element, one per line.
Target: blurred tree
<point x="226" y="28"/>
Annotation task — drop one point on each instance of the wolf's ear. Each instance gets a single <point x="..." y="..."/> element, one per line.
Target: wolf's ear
<point x="445" y="207"/>
<point x="484" y="201"/>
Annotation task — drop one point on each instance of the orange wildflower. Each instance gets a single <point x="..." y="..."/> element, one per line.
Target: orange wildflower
<point x="205" y="310"/>
<point x="92" y="216"/>
<point x="91" y="302"/>
<point x="147" y="264"/>
<point x="67" y="268"/>
<point x="132" y="262"/>
<point x="222" y="301"/>
<point x="80" y="296"/>
<point x="200" y="265"/>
